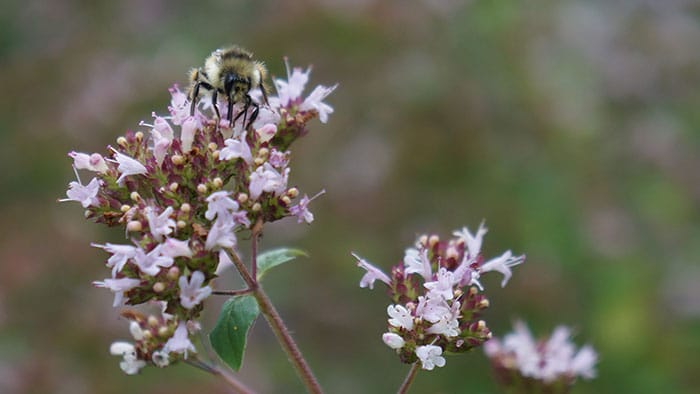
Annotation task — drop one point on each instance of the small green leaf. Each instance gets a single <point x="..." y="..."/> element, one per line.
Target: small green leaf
<point x="273" y="258"/>
<point x="229" y="336"/>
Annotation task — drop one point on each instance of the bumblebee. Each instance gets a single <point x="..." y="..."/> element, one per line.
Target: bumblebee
<point x="231" y="72"/>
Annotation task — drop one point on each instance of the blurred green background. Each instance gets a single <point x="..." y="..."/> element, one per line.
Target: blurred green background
<point x="571" y="127"/>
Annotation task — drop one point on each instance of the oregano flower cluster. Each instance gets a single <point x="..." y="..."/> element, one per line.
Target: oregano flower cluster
<point x="437" y="298"/>
<point x="182" y="187"/>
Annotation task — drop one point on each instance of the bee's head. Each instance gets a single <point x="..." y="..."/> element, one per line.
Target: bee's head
<point x="235" y="85"/>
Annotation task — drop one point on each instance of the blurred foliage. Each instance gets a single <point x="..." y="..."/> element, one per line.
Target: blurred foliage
<point x="571" y="127"/>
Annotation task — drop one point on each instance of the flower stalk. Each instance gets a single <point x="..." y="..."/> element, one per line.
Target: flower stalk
<point x="408" y="381"/>
<point x="274" y="320"/>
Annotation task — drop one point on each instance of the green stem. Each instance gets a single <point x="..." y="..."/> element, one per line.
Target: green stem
<point x="276" y="323"/>
<point x="236" y="384"/>
<point x="409" y="379"/>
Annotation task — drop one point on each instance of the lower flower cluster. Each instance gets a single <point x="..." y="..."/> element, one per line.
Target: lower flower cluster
<point x="437" y="296"/>
<point x="546" y="366"/>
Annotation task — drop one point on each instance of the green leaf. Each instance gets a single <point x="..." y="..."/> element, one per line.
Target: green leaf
<point x="229" y="336"/>
<point x="273" y="258"/>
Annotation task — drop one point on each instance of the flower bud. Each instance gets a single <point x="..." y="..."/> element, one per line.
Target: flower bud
<point x="433" y="240"/>
<point x="181" y="224"/>
<point x="217" y="182"/>
<point x="422" y="241"/>
<point x="259" y="161"/>
<point x="121" y="141"/>
<point x="173" y="273"/>
<point x="178" y="160"/>
<point x="263" y="152"/>
<point x="135" y="197"/>
<point x="125" y="208"/>
<point x="173" y="187"/>
<point x="215" y="155"/>
<point x="256" y="207"/>
<point x="136" y="331"/>
<point x="451" y="252"/>
<point x="134" y="226"/>
<point x="138" y="136"/>
<point x="153" y="321"/>
<point x="185" y="208"/>
<point x="293" y="192"/>
<point x="158" y="287"/>
<point x="286" y="200"/>
<point x="202" y="188"/>
<point x="242" y="197"/>
<point x="483" y="304"/>
<point x="392" y="340"/>
<point x="163" y="331"/>
<point x="212" y="146"/>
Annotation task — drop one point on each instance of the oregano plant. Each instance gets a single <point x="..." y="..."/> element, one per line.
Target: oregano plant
<point x="190" y="185"/>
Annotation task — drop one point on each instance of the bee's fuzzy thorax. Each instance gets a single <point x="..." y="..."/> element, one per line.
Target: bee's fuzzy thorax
<point x="230" y="73"/>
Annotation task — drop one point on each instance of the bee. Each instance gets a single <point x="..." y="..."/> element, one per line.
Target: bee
<point x="233" y="73"/>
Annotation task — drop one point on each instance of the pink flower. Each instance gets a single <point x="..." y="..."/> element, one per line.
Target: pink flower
<point x="179" y="106"/>
<point x="473" y="242"/>
<point x="301" y="210"/>
<point x="400" y="317"/>
<point x="221" y="235"/>
<point x="267" y="179"/>
<point x="290" y="90"/>
<point x="430" y="356"/>
<point x="189" y="128"/>
<point x="180" y="341"/>
<point x="224" y="262"/>
<point x="160" y="225"/>
<point x="417" y="261"/>
<point x="501" y="264"/>
<point x="192" y="292"/>
<point x="118" y="287"/>
<point x="127" y="165"/>
<point x="85" y="195"/>
<point x="130" y="363"/>
<point x="236" y="148"/>
<point x="94" y="162"/>
<point x="548" y="361"/>
<point x="120" y="255"/>
<point x="314" y="102"/>
<point x="220" y="205"/>
<point x="444" y="285"/>
<point x="266" y="132"/>
<point x="176" y="248"/>
<point x="432" y="307"/>
<point x="150" y="263"/>
<point x="392" y="340"/>
<point x="373" y="273"/>
<point x="161" y="144"/>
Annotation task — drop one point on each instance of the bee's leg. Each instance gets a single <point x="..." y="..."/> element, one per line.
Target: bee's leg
<point x="244" y="112"/>
<point x="230" y="113"/>
<point x="214" y="97"/>
<point x="254" y="115"/>
<point x="195" y="94"/>
<point x="214" y="104"/>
